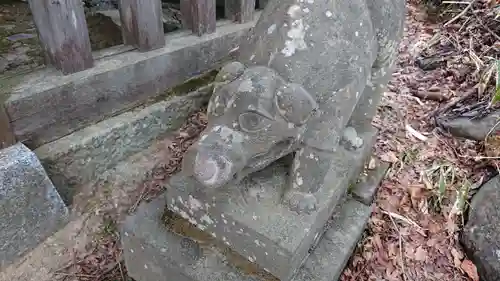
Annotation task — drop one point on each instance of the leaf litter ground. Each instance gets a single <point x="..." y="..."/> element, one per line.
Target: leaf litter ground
<point x="418" y="211"/>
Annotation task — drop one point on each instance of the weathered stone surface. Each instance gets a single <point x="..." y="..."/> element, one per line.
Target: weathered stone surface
<point x="45" y="105"/>
<point x="481" y="234"/>
<point x="365" y="188"/>
<point x="30" y="207"/>
<point x="84" y="155"/>
<point x="152" y="252"/>
<point x="282" y="98"/>
<point x="474" y="129"/>
<point x="251" y="219"/>
<point x="329" y="258"/>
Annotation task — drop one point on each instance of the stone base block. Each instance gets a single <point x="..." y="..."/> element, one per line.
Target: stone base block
<point x="256" y="224"/>
<point x="368" y="183"/>
<point x="152" y="252"/>
<point x="30" y="207"/>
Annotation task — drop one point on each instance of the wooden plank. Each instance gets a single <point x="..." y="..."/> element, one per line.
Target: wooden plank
<point x="186" y="15"/>
<point x="6" y="135"/>
<point x="240" y="11"/>
<point x="203" y="16"/>
<point x="142" y="25"/>
<point x="262" y="4"/>
<point x="63" y="33"/>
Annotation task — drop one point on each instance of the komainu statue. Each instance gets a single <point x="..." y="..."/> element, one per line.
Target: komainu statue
<point x="309" y="70"/>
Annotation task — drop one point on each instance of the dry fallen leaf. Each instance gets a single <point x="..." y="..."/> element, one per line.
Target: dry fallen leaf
<point x="389" y="156"/>
<point x="415" y="133"/>
<point x="420" y="254"/>
<point x="372" y="164"/>
<point x="470" y="269"/>
<point x="457" y="257"/>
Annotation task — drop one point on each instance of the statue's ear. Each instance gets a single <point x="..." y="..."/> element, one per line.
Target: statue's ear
<point x="230" y="72"/>
<point x="294" y="103"/>
<point x="221" y="96"/>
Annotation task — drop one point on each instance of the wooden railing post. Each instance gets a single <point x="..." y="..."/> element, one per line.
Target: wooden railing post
<point x="262" y="4"/>
<point x="186" y="17"/>
<point x="142" y="25"/>
<point x="6" y="135"/>
<point x="63" y="33"/>
<point x="198" y="15"/>
<point x="240" y="11"/>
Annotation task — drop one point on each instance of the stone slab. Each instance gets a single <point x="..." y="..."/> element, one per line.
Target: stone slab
<point x="44" y="262"/>
<point x="365" y="188"/>
<point x="152" y="252"/>
<point x="481" y="234"/>
<point x="30" y="207"/>
<point x="257" y="225"/>
<point x="84" y="155"/>
<point x="46" y="105"/>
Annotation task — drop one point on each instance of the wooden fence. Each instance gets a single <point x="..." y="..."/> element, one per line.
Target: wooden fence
<point x="64" y="35"/>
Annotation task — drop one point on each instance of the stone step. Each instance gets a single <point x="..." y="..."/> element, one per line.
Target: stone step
<point x="260" y="227"/>
<point x="152" y="251"/>
<point x="80" y="158"/>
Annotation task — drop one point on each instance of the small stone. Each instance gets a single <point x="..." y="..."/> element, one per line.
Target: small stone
<point x="471" y="128"/>
<point x="481" y="234"/>
<point x="351" y="138"/>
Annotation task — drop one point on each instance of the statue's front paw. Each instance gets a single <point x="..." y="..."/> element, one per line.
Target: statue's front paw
<point x="302" y="202"/>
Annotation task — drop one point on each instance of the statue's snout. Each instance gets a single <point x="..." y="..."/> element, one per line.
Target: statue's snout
<point x="212" y="170"/>
<point x="216" y="158"/>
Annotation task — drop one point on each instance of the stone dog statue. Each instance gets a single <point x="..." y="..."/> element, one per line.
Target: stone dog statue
<point x="308" y="65"/>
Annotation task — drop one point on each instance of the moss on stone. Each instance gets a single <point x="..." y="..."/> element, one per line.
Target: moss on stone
<point x="193" y="84"/>
<point x="185" y="88"/>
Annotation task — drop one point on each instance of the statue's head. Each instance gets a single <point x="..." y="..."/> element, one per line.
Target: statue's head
<point x="254" y="118"/>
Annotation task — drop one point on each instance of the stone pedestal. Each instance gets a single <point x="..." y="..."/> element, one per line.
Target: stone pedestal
<point x="189" y="236"/>
<point x="251" y="219"/>
<point x="158" y="244"/>
<point x="152" y="252"/>
<point x="30" y="207"/>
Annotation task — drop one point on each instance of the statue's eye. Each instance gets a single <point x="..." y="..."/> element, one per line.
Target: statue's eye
<point x="252" y="122"/>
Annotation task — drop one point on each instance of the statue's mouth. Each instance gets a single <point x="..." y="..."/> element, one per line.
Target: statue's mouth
<point x="262" y="160"/>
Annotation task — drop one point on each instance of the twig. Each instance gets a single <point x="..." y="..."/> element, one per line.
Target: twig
<point x="76" y="275"/>
<point x="452" y="103"/>
<point x="486" y="27"/>
<point x="456" y="2"/>
<point x="121" y="271"/>
<point x="491" y="130"/>
<point x="403" y="268"/>
<point x="141" y="196"/>
<point x="464" y="11"/>
<point x="400" y="217"/>
<point x="109" y="269"/>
